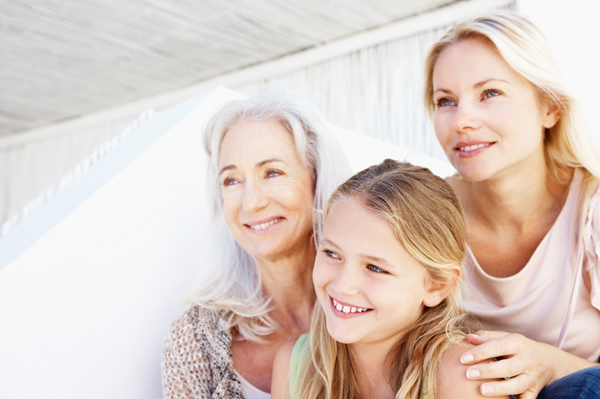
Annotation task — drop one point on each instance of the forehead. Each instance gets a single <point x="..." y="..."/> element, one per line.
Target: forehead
<point x="471" y="59"/>
<point x="352" y="219"/>
<point x="256" y="139"/>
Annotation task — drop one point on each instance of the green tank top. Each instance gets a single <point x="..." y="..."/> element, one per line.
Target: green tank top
<point x="301" y="354"/>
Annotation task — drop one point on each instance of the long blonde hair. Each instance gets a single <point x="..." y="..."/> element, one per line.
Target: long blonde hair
<point x="428" y="222"/>
<point x="569" y="143"/>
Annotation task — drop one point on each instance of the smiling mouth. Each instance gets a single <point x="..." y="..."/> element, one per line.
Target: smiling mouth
<point x="348" y="309"/>
<point x="473" y="147"/>
<point x="264" y="225"/>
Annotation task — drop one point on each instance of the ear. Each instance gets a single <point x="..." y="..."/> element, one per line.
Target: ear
<point x="552" y="112"/>
<point x="437" y="292"/>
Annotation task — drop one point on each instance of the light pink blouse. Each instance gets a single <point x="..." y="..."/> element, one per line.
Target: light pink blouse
<point x="535" y="301"/>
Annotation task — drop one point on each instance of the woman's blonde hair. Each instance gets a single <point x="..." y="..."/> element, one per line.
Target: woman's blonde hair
<point x="568" y="144"/>
<point x="231" y="280"/>
<point x="428" y="222"/>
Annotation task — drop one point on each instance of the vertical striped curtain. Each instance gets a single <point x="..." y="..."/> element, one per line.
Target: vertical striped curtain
<point x="376" y="91"/>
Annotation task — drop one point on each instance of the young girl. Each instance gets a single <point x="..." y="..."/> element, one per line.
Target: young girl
<point x="386" y="277"/>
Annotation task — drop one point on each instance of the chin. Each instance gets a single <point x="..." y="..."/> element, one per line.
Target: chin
<point x="473" y="174"/>
<point x="341" y="336"/>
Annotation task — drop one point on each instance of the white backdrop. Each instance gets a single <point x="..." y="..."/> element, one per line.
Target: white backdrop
<point x="84" y="309"/>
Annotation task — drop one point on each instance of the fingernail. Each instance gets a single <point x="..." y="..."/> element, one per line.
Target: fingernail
<point x="487" y="390"/>
<point x="467" y="359"/>
<point x="473" y="373"/>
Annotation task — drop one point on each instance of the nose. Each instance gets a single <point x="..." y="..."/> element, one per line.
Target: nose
<point x="254" y="198"/>
<point x="346" y="282"/>
<point x="465" y="118"/>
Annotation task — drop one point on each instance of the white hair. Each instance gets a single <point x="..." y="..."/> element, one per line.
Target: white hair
<point x="231" y="281"/>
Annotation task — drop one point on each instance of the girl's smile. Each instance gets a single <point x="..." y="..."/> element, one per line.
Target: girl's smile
<point x="370" y="288"/>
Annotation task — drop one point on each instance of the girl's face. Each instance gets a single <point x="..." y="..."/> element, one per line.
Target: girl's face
<point x="369" y="287"/>
<point x="487" y="119"/>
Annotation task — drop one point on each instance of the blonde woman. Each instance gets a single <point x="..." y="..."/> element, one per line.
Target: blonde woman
<point x="528" y="181"/>
<point x="386" y="276"/>
<point x="272" y="165"/>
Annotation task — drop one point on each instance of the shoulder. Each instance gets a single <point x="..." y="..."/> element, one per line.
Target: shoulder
<point x="185" y="366"/>
<point x="182" y="328"/>
<point x="452" y="379"/>
<point x="195" y="328"/>
<point x="280" y="385"/>
<point x="591" y="241"/>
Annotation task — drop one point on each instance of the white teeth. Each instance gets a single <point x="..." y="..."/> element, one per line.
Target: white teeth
<point x="347" y="309"/>
<point x="263" y="226"/>
<point x="473" y="147"/>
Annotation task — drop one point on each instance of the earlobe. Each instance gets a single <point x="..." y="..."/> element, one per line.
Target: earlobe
<point x="437" y="292"/>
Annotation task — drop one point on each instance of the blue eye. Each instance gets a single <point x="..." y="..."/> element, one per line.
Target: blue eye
<point x="491" y="93"/>
<point x="444" y="102"/>
<point x="331" y="254"/>
<point x="229" y="182"/>
<point x="376" y="269"/>
<point x="273" y="173"/>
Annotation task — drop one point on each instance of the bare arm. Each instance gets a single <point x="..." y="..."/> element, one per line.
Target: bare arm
<point x="452" y="381"/>
<point x="528" y="365"/>
<point x="280" y="382"/>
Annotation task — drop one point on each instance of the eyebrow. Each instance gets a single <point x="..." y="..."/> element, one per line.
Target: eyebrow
<point x="483" y="82"/>
<point x="258" y="165"/>
<point x="476" y="85"/>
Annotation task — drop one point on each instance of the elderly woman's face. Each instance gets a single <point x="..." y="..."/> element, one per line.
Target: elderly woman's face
<point x="267" y="190"/>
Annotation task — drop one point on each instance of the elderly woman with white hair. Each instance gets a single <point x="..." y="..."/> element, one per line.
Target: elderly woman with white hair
<point x="273" y="165"/>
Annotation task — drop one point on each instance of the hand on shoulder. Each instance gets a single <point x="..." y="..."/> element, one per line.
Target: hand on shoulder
<point x="452" y="381"/>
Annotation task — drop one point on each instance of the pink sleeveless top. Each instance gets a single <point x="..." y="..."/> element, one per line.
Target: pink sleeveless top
<point x="535" y="301"/>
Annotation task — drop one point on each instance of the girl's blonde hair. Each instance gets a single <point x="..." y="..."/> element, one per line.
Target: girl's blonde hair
<point x="568" y="144"/>
<point x="427" y="219"/>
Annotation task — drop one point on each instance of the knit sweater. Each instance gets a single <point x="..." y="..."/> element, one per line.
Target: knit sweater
<point x="197" y="361"/>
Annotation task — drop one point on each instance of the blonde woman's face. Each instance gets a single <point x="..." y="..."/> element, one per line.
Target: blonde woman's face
<point x="371" y="290"/>
<point x="267" y="190"/>
<point x="487" y="117"/>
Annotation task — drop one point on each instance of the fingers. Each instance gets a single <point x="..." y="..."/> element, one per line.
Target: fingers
<point x="502" y="369"/>
<point x="492" y="345"/>
<point x="519" y="386"/>
<point x="482" y="336"/>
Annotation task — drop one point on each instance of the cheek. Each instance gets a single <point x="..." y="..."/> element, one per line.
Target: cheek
<point x="321" y="274"/>
<point x="230" y="206"/>
<point x="441" y="128"/>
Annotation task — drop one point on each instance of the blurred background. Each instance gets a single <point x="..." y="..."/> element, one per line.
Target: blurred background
<point x="101" y="181"/>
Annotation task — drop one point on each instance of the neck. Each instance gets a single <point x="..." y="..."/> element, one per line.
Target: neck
<point x="516" y="200"/>
<point x="370" y="363"/>
<point x="288" y="281"/>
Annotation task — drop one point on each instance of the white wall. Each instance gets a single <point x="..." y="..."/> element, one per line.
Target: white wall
<point x="571" y="27"/>
<point x="102" y="268"/>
